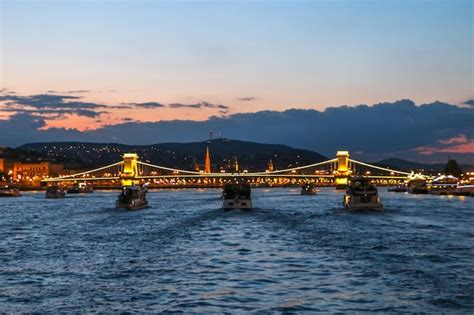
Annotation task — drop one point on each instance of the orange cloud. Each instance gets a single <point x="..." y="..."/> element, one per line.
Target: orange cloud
<point x="460" y="145"/>
<point x="458" y="139"/>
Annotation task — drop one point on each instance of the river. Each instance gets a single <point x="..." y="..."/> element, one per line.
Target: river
<point x="291" y="253"/>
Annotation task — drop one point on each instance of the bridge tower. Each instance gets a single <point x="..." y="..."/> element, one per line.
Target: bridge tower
<point x="236" y="164"/>
<point x="342" y="172"/>
<point x="130" y="169"/>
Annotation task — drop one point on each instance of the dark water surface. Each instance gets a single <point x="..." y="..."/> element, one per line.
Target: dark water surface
<point x="292" y="253"/>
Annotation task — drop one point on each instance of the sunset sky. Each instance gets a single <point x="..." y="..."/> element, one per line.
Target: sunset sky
<point x="117" y="62"/>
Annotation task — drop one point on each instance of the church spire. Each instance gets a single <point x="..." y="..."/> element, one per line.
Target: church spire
<point x="207" y="161"/>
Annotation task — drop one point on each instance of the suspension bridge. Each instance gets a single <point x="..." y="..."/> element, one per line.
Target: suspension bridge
<point x="332" y="172"/>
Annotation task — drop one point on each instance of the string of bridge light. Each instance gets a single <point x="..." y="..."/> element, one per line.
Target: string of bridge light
<point x="297" y="168"/>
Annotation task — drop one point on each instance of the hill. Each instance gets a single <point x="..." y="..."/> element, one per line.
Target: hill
<point x="250" y="155"/>
<point x="22" y="155"/>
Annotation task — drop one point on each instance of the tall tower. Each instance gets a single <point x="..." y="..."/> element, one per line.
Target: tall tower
<point x="207" y="161"/>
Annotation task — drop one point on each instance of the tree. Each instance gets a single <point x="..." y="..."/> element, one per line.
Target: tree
<point x="452" y="168"/>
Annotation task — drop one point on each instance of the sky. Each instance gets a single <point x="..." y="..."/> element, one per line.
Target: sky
<point x="86" y="66"/>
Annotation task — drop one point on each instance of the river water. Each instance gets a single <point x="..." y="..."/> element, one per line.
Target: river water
<point x="291" y="253"/>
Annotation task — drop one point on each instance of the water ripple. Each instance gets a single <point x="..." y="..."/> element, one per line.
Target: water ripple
<point x="291" y="254"/>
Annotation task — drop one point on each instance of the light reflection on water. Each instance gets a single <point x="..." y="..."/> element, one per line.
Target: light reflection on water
<point x="291" y="253"/>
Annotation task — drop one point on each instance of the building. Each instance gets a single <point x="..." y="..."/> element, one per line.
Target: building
<point x="6" y="166"/>
<point x="22" y="171"/>
<point x="270" y="167"/>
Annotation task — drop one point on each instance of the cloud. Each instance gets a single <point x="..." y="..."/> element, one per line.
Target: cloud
<point x="458" y="139"/>
<point x="54" y="114"/>
<point x="223" y="109"/>
<point x="382" y="129"/>
<point x="246" y="99"/>
<point x="54" y="106"/>
<point x="199" y="105"/>
<point x="68" y="92"/>
<point x="49" y="101"/>
<point x="6" y="91"/>
<point x="146" y="105"/>
<point x="469" y="102"/>
<point x="463" y="148"/>
<point x="460" y="144"/>
<point x="123" y="106"/>
<point x="400" y="129"/>
<point x="77" y="91"/>
<point x="24" y="127"/>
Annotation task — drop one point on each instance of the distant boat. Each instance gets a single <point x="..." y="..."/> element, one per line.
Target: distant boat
<point x="55" y="192"/>
<point x="132" y="198"/>
<point x="9" y="192"/>
<point x="418" y="187"/>
<point x="399" y="188"/>
<point x="237" y="196"/>
<point x="465" y="190"/>
<point x="308" y="189"/>
<point x="444" y="185"/>
<point x="80" y="188"/>
<point x="362" y="195"/>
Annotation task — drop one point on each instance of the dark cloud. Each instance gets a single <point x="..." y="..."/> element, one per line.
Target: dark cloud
<point x="199" y="105"/>
<point x="379" y="131"/>
<point x="397" y="129"/>
<point x="88" y="113"/>
<point x="53" y="105"/>
<point x="41" y="101"/>
<point x="123" y="106"/>
<point x="127" y="119"/>
<point x="246" y="99"/>
<point x="146" y="105"/>
<point x="53" y="114"/>
<point x="179" y="105"/>
<point x="223" y="109"/>
<point x="469" y="102"/>
<point x="24" y="127"/>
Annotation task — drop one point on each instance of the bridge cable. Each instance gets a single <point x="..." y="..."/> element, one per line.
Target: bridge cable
<point x="378" y="167"/>
<point x="87" y="172"/>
